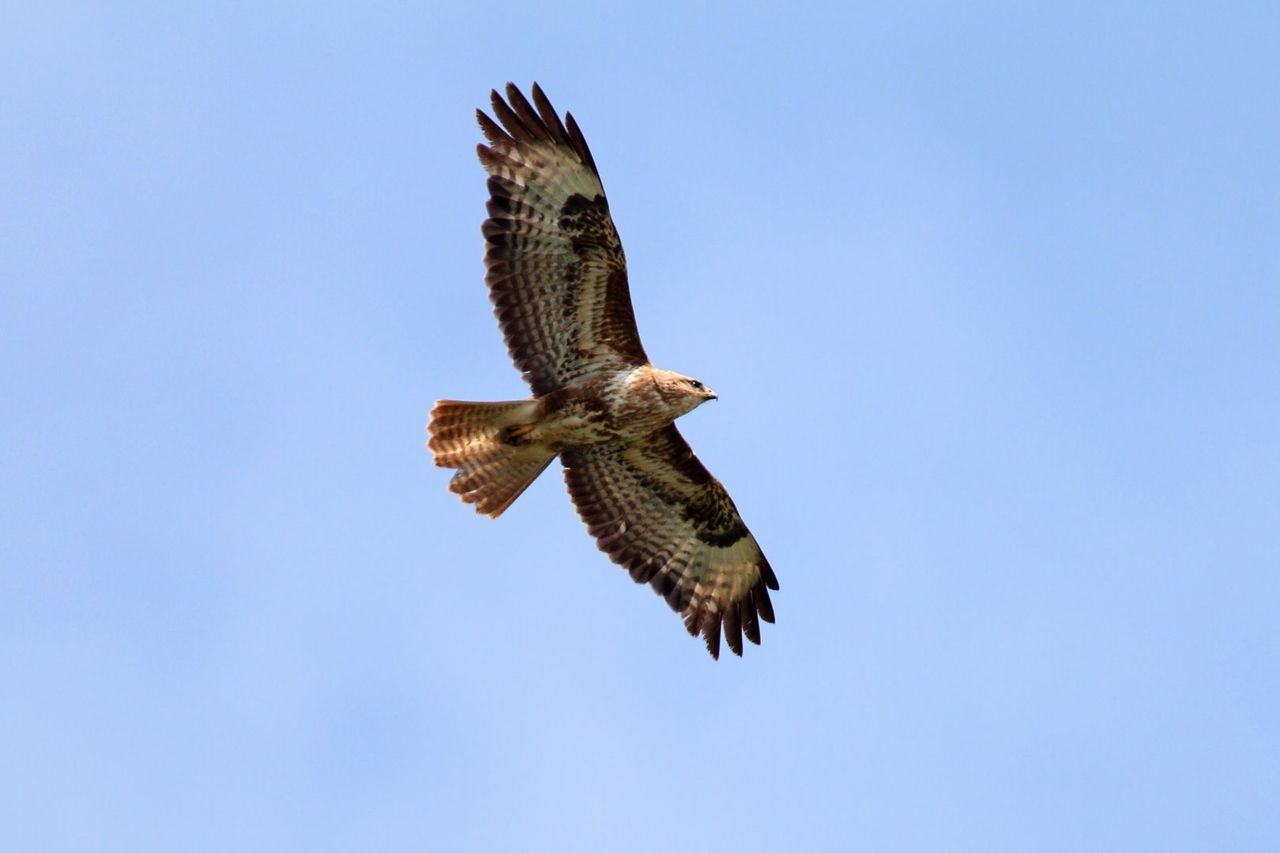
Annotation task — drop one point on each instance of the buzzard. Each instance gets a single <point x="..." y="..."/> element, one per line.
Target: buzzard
<point x="558" y="281"/>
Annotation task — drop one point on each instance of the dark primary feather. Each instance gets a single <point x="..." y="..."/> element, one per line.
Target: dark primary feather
<point x="554" y="263"/>
<point x="657" y="512"/>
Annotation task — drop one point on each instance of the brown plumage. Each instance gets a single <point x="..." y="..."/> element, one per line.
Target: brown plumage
<point x="557" y="277"/>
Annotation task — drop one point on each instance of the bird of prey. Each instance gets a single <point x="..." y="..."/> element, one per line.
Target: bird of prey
<point x="557" y="278"/>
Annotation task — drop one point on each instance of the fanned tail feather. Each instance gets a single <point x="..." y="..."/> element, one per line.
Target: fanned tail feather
<point x="488" y="444"/>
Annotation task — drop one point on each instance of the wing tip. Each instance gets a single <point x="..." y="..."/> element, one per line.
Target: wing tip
<point x="737" y="620"/>
<point x="518" y="120"/>
<point x="760" y="598"/>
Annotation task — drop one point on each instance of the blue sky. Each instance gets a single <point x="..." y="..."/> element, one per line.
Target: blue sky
<point x="992" y="301"/>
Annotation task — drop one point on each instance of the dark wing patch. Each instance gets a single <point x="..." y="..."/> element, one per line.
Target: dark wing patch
<point x="554" y="263"/>
<point x="657" y="512"/>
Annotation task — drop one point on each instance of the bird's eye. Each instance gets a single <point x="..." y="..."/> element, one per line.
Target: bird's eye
<point x="698" y="386"/>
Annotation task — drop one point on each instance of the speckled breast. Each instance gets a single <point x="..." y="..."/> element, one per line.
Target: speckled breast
<point x="601" y="409"/>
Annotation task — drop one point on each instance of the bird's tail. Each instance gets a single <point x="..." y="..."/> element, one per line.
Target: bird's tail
<point x="489" y="444"/>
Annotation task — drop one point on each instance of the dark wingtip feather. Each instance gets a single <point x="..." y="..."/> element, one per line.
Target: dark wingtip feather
<point x="693" y="622"/>
<point x="711" y="631"/>
<point x="492" y="132"/>
<point x="540" y="99"/>
<point x="579" y="143"/>
<point x="764" y="607"/>
<point x="766" y="572"/>
<point x="510" y="120"/>
<point x="549" y="115"/>
<point x="747" y="616"/>
<point x="733" y="629"/>
<point x="528" y="115"/>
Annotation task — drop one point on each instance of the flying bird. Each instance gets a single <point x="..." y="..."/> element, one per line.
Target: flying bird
<point x="557" y="278"/>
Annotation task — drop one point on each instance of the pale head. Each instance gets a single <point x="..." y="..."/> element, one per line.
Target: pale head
<point x="681" y="394"/>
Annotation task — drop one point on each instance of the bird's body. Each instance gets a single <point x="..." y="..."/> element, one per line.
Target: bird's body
<point x="612" y="406"/>
<point x="557" y="277"/>
<point x="617" y="406"/>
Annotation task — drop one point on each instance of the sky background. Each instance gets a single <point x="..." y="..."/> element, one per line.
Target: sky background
<point x="991" y="298"/>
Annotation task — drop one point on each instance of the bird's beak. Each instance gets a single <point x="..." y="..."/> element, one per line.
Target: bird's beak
<point x="712" y="395"/>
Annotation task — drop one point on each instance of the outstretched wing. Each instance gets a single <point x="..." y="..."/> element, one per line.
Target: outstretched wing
<point x="553" y="260"/>
<point x="657" y="512"/>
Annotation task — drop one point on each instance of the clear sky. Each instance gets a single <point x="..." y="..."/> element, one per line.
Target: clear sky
<point x="992" y="301"/>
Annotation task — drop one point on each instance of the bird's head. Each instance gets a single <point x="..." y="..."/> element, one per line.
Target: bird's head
<point x="682" y="393"/>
